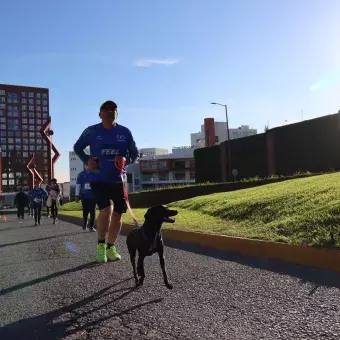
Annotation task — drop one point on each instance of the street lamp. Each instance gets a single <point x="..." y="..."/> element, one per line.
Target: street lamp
<point x="227" y="120"/>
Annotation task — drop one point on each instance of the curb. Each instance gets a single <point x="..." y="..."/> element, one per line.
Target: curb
<point x="303" y="255"/>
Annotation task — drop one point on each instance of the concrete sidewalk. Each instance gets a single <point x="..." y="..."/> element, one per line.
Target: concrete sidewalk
<point x="52" y="289"/>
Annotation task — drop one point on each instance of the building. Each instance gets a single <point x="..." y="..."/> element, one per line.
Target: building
<point x="165" y="170"/>
<point x="152" y="152"/>
<point x="76" y="166"/>
<point x="218" y="133"/>
<point x="25" y="136"/>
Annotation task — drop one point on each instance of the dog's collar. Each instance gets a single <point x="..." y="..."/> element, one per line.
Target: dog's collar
<point x="152" y="245"/>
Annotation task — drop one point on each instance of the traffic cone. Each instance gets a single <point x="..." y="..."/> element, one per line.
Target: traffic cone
<point x="5" y="219"/>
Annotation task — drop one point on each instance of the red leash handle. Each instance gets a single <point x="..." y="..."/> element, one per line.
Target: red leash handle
<point x="120" y="165"/>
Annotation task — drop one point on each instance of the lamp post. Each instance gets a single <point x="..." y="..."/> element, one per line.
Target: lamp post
<point x="227" y="120"/>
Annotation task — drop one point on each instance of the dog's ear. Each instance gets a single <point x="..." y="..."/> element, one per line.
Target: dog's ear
<point x="147" y="214"/>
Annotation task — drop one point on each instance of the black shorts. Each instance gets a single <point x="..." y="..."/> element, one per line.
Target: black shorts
<point x="106" y="194"/>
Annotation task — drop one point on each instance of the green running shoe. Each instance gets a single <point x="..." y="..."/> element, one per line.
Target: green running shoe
<point x="112" y="254"/>
<point x="101" y="253"/>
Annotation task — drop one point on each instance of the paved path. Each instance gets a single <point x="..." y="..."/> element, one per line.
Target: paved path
<point x="52" y="289"/>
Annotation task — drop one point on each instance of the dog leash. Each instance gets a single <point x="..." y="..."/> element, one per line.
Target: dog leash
<point x="125" y="191"/>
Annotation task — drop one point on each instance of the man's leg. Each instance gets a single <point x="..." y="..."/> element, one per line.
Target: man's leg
<point x="116" y="222"/>
<point x="39" y="214"/>
<point x="84" y="204"/>
<point x="36" y="214"/>
<point x="18" y="211"/>
<point x="92" y="209"/>
<point x="103" y="223"/>
<point x="22" y="211"/>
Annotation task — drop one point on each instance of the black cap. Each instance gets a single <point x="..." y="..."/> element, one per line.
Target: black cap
<point x="109" y="105"/>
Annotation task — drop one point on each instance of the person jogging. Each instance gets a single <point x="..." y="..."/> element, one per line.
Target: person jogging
<point x="54" y="199"/>
<point x="21" y="202"/>
<point x="111" y="145"/>
<point x="37" y="196"/>
<point x="84" y="192"/>
<point x="48" y="189"/>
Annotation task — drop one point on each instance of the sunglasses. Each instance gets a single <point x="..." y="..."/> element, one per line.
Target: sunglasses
<point x="108" y="110"/>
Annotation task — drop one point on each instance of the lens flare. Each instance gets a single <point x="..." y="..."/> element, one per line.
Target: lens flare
<point x="327" y="82"/>
<point x="71" y="247"/>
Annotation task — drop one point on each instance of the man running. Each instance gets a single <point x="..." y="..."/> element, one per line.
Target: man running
<point x="111" y="145"/>
<point x="84" y="192"/>
<point x="38" y="196"/>
<point x="21" y="201"/>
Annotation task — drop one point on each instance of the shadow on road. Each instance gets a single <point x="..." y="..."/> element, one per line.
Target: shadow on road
<point x="48" y="277"/>
<point x="67" y="320"/>
<point x="38" y="239"/>
<point x="320" y="277"/>
<point x="16" y="228"/>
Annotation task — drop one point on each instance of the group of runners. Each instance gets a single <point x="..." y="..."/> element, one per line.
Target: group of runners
<point x="36" y="199"/>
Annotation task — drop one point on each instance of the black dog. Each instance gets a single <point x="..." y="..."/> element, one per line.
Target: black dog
<point x="148" y="240"/>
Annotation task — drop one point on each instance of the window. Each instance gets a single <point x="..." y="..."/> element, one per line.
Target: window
<point x="10" y="133"/>
<point x="4" y="154"/>
<point x="23" y="107"/>
<point x="179" y="176"/>
<point x="2" y="99"/>
<point x="3" y="119"/>
<point x="39" y="147"/>
<point x="25" y="127"/>
<point x="13" y="124"/>
<point x="25" y="147"/>
<point x="32" y="147"/>
<point x="31" y="127"/>
<point x="31" y="108"/>
<point x="2" y="92"/>
<point x="31" y="101"/>
<point x="4" y="175"/>
<point x="38" y="95"/>
<point x="45" y="148"/>
<point x="192" y="175"/>
<point x="24" y="101"/>
<point x="10" y="140"/>
<point x="3" y="126"/>
<point x="2" y="106"/>
<point x="32" y="141"/>
<point x="10" y="147"/>
<point x="39" y="121"/>
<point x="18" y="147"/>
<point x="38" y="108"/>
<point x="31" y="121"/>
<point x="32" y="134"/>
<point x="17" y="140"/>
<point x="23" y="94"/>
<point x="31" y="95"/>
<point x="37" y="128"/>
<point x="3" y="140"/>
<point x="11" y="182"/>
<point x="44" y="102"/>
<point x="4" y="182"/>
<point x="24" y="113"/>
<point x="24" y="120"/>
<point x="2" y="113"/>
<point x="45" y="108"/>
<point x="45" y="95"/>
<point x="25" y="154"/>
<point x="3" y="147"/>
<point x="216" y="139"/>
<point x="25" y="134"/>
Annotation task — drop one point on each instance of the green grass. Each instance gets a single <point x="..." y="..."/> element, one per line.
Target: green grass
<point x="299" y="211"/>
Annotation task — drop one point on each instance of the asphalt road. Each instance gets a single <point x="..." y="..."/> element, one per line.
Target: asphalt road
<point x="52" y="289"/>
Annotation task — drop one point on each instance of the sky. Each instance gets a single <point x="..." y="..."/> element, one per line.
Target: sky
<point x="163" y="62"/>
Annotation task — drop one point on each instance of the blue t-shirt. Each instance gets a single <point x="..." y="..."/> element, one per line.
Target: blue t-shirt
<point x="37" y="196"/>
<point x="85" y="189"/>
<point x="106" y="144"/>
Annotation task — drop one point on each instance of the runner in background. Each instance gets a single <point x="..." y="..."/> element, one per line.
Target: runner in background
<point x="37" y="196"/>
<point x="84" y="192"/>
<point x="111" y="145"/>
<point x="21" y="202"/>
<point x="55" y="199"/>
<point x="48" y="189"/>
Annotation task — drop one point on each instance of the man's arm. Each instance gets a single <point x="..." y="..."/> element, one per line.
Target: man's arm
<point x="81" y="144"/>
<point x="133" y="152"/>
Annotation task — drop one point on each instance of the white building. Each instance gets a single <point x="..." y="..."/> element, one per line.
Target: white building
<point x="76" y="166"/>
<point x="198" y="138"/>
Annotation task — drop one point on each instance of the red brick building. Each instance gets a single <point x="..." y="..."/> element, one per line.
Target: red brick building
<point x="24" y="119"/>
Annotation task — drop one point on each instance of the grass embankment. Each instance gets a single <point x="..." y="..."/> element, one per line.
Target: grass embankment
<point x="300" y="211"/>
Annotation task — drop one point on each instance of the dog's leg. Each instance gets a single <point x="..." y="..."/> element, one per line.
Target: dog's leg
<point x="133" y="262"/>
<point x="162" y="263"/>
<point x="140" y="270"/>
